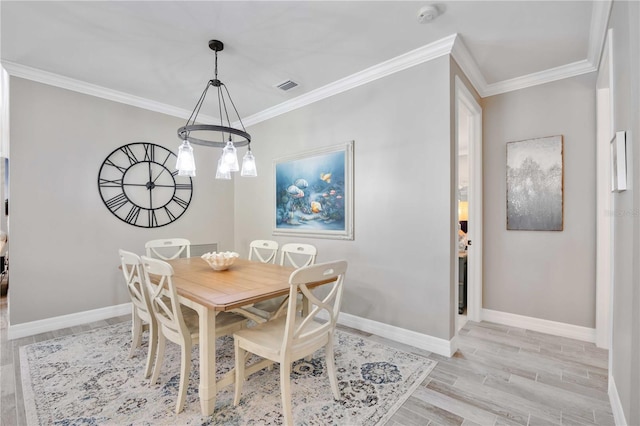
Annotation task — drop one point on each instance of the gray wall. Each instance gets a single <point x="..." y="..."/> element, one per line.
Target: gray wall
<point x="64" y="241"/>
<point x="547" y="275"/>
<point x="400" y="261"/>
<point x="624" y="20"/>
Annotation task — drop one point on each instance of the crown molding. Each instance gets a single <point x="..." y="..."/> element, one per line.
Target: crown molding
<point x="45" y="77"/>
<point x="472" y="71"/>
<point x="469" y="66"/>
<point x="452" y="45"/>
<point x="407" y="60"/>
<point x="597" y="34"/>
<point x="542" y="77"/>
<point x="598" y="30"/>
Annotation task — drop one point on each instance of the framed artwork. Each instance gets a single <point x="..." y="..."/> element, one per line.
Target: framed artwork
<point x="619" y="162"/>
<point x="314" y="193"/>
<point x="535" y="184"/>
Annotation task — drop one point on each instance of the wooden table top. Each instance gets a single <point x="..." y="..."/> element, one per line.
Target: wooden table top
<point x="244" y="283"/>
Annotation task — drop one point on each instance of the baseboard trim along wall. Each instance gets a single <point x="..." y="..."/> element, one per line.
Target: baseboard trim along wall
<point x="50" y="324"/>
<point x="571" y="331"/>
<point x="616" y="405"/>
<point x="423" y="341"/>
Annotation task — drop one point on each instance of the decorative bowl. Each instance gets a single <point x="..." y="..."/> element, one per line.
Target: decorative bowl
<point x="220" y="261"/>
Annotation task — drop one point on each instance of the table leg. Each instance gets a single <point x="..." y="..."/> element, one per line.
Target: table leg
<point x="207" y="389"/>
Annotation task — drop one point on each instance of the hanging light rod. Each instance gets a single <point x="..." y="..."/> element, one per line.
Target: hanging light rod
<point x="228" y="161"/>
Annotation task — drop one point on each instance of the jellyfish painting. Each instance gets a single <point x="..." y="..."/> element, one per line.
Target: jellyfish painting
<point x="310" y="193"/>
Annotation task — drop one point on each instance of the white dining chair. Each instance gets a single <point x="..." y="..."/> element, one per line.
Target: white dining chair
<point x="292" y="337"/>
<point x="264" y="251"/>
<point x="178" y="323"/>
<point x="141" y="311"/>
<point x="298" y="255"/>
<point x="168" y="248"/>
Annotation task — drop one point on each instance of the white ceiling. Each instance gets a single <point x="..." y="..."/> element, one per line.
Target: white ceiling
<point x="158" y="50"/>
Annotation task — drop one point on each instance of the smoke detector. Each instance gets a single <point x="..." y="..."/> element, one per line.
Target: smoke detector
<point x="427" y="14"/>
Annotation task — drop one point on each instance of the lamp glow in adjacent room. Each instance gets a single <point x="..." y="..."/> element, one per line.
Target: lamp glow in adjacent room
<point x="463" y="210"/>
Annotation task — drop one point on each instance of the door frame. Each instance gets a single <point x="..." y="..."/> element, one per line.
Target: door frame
<point x="465" y="99"/>
<point x="604" y="198"/>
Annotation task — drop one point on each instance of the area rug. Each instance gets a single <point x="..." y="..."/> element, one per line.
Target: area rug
<point x="89" y="379"/>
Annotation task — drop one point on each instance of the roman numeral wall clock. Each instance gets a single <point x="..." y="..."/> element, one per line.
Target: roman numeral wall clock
<point x="139" y="184"/>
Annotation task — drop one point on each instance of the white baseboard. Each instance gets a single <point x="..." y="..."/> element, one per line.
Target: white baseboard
<point x="616" y="405"/>
<point x="42" y="326"/>
<point x="541" y="325"/>
<point x="423" y="341"/>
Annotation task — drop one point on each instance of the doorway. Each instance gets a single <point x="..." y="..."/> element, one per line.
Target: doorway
<point x="468" y="122"/>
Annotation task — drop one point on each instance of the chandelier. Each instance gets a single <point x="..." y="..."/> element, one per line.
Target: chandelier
<point x="228" y="161"/>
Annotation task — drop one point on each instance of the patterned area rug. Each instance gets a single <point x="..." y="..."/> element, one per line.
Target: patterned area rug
<point x="88" y="379"/>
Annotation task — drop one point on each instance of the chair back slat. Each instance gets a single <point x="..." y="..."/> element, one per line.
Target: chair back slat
<point x="263" y="250"/>
<point x="168" y="248"/>
<point x="298" y="255"/>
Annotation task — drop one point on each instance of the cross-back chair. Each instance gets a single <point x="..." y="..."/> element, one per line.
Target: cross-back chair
<point x="298" y="255"/>
<point x="168" y="248"/>
<point x="264" y="251"/>
<point x="288" y="338"/>
<point x="141" y="311"/>
<point x="178" y="323"/>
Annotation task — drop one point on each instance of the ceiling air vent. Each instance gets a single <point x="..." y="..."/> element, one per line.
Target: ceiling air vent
<point x="287" y="85"/>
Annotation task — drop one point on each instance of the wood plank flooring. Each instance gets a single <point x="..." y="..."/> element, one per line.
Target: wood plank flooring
<point x="501" y="376"/>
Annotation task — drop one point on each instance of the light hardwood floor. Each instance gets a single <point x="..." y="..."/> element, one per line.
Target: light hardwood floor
<point x="500" y="376"/>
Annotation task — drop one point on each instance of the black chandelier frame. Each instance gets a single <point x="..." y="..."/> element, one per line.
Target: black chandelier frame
<point x="184" y="132"/>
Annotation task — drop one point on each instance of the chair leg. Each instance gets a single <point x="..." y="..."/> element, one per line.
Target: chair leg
<point x="240" y="363"/>
<point x="331" y="367"/>
<point x="303" y="305"/>
<point x="185" y="369"/>
<point x="159" y="357"/>
<point x="151" y="350"/>
<point x="136" y="332"/>
<point x="285" y="390"/>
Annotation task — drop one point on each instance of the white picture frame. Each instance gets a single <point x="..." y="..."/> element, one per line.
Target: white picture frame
<point x="313" y="193"/>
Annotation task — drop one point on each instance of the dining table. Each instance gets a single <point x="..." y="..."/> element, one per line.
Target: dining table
<point x="210" y="292"/>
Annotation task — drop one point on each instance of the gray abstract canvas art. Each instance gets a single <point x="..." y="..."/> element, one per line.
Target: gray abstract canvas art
<point x="535" y="184"/>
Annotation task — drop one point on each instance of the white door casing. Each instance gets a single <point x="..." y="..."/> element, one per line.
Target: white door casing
<point x="466" y="103"/>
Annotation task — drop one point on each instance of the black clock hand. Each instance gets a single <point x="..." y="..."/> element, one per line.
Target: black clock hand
<point x="150" y="188"/>
<point x="163" y="167"/>
<point x="159" y="174"/>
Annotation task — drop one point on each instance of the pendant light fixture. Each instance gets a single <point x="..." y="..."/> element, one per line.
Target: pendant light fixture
<point x="228" y="161"/>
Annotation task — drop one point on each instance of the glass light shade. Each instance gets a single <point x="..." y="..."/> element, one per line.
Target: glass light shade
<point x="185" y="163"/>
<point x="249" y="165"/>
<point x="230" y="157"/>
<point x="222" y="172"/>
